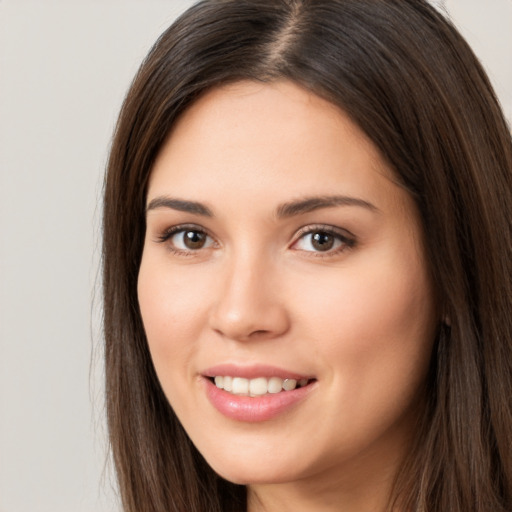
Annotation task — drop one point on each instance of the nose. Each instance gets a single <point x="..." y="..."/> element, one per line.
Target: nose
<point x="248" y="304"/>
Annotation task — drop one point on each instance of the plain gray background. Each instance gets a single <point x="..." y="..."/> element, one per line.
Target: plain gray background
<point x="64" y="69"/>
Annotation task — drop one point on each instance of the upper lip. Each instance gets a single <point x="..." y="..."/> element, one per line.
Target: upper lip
<point x="252" y="371"/>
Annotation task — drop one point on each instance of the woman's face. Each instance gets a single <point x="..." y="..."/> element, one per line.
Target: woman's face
<point x="280" y="254"/>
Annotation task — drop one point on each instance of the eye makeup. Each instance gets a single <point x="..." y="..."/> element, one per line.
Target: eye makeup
<point x="323" y="240"/>
<point x="318" y="240"/>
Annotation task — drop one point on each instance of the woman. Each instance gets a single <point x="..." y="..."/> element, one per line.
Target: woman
<point x="307" y="265"/>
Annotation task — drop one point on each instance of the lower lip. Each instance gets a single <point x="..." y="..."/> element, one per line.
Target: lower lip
<point x="254" y="409"/>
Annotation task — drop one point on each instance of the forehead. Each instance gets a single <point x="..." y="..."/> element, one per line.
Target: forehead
<point x="253" y="109"/>
<point x="269" y="139"/>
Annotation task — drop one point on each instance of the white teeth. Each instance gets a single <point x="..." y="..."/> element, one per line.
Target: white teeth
<point x="240" y="386"/>
<point x="275" y="385"/>
<point x="257" y="387"/>
<point x="289" y="384"/>
<point x="228" y="383"/>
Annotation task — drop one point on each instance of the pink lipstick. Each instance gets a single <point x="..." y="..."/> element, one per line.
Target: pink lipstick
<point x="255" y="393"/>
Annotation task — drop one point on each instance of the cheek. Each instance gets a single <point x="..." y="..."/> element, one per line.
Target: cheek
<point x="171" y="313"/>
<point x="377" y="324"/>
<point x="374" y="337"/>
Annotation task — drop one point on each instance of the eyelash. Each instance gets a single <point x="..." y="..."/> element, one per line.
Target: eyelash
<point x="346" y="240"/>
<point x="183" y="228"/>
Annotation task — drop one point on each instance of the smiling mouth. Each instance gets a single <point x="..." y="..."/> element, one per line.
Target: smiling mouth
<point x="259" y="386"/>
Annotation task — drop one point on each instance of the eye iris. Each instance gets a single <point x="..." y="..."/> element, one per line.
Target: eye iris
<point x="194" y="239"/>
<point x="322" y="241"/>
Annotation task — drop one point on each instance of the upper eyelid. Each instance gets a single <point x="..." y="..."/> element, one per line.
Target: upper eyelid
<point x="183" y="227"/>
<point x="312" y="228"/>
<point x="347" y="239"/>
<point x="166" y="233"/>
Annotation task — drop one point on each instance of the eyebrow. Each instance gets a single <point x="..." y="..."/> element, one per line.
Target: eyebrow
<point x="289" y="209"/>
<point x="309" y="204"/>
<point x="180" y="205"/>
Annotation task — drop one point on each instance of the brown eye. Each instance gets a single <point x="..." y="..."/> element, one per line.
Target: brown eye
<point x="194" y="239"/>
<point x="188" y="239"/>
<point x="330" y="241"/>
<point x="322" y="241"/>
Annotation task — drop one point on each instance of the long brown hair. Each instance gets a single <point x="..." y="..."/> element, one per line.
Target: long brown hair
<point x="412" y="84"/>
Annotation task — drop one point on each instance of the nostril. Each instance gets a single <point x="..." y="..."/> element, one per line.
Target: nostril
<point x="258" y="333"/>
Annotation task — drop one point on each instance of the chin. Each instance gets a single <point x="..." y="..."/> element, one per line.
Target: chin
<point x="247" y="476"/>
<point x="242" y="472"/>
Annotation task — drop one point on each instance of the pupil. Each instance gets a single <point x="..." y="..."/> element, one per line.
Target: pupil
<point x="194" y="239"/>
<point x="322" y="241"/>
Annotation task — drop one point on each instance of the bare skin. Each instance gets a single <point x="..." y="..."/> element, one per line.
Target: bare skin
<point x="276" y="236"/>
